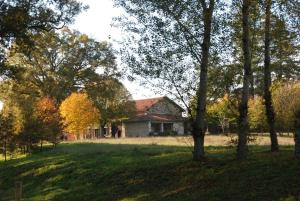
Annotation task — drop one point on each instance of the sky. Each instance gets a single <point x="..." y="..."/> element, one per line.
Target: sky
<point x="96" y="22"/>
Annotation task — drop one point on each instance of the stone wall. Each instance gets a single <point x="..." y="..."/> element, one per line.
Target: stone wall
<point x="165" y="107"/>
<point x="136" y="129"/>
<point x="179" y="127"/>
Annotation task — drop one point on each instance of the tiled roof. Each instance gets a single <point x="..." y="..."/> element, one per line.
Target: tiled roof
<point x="142" y="114"/>
<point x="143" y="105"/>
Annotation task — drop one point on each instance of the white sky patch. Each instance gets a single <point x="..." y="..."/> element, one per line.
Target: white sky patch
<point x="96" y="23"/>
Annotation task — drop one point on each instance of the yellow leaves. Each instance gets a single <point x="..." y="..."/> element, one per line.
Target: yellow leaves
<point x="84" y="38"/>
<point x="17" y="120"/>
<point x="286" y="100"/>
<point x="257" y="113"/>
<point x="78" y="113"/>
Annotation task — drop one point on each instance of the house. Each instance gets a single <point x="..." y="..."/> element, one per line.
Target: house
<point x="154" y="116"/>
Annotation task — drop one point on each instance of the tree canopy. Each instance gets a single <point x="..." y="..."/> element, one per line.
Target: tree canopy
<point x="19" y="19"/>
<point x="79" y="114"/>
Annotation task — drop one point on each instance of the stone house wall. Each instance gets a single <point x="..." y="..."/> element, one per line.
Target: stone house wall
<point x="135" y="129"/>
<point x="179" y="127"/>
<point x="165" y="107"/>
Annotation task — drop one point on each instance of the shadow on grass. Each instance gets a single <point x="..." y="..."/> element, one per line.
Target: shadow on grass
<point x="108" y="172"/>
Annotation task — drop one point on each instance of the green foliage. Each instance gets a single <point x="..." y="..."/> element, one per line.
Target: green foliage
<point x="7" y="133"/>
<point x="223" y="113"/>
<point x="111" y="98"/>
<point x="60" y="63"/>
<point x="164" y="44"/>
<point x="21" y="18"/>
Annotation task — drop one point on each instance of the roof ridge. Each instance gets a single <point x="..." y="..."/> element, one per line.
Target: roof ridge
<point x="159" y="97"/>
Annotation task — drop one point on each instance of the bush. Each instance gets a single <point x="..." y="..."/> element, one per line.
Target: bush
<point x="233" y="139"/>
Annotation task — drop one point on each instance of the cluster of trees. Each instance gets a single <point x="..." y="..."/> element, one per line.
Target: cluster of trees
<point x="222" y="114"/>
<point x="53" y="79"/>
<point x="201" y="51"/>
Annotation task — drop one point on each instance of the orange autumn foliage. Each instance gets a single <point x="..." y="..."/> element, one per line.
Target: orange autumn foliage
<point x="49" y="121"/>
<point x="46" y="110"/>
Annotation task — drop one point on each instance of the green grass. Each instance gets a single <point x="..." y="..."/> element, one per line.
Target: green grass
<point x="108" y="172"/>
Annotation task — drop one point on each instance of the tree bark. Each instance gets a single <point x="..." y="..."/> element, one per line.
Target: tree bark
<point x="199" y="123"/>
<point x="267" y="81"/>
<point x="297" y="136"/>
<point x="5" y="148"/>
<point x="243" y="131"/>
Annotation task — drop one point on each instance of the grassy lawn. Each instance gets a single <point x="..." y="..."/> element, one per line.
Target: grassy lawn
<point x="108" y="172"/>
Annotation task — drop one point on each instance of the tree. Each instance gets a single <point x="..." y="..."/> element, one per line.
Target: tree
<point x="6" y="131"/>
<point x="20" y="99"/>
<point x="78" y="113"/>
<point x="224" y="111"/>
<point x="284" y="49"/>
<point x="60" y="63"/>
<point x="50" y="121"/>
<point x="267" y="79"/>
<point x="199" y="124"/>
<point x="286" y="98"/>
<point x="297" y="135"/>
<point x="243" y="130"/>
<point x="287" y="106"/>
<point x="20" y="18"/>
<point x="257" y="114"/>
<point x="111" y="98"/>
<point x="172" y="47"/>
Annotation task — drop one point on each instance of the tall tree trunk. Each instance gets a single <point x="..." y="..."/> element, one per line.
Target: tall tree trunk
<point x="243" y="131"/>
<point x="267" y="81"/>
<point x="199" y="124"/>
<point x="297" y="136"/>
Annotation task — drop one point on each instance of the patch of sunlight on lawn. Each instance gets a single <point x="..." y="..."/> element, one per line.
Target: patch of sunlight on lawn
<point x="49" y="194"/>
<point x="136" y="198"/>
<point x="9" y="157"/>
<point x="43" y="170"/>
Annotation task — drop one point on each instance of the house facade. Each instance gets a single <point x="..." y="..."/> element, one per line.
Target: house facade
<point x="153" y="117"/>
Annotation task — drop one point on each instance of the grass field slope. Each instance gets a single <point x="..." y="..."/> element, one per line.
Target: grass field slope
<point x="151" y="172"/>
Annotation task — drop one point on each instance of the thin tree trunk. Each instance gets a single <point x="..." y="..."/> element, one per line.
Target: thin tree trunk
<point x="199" y="124"/>
<point x="267" y="81"/>
<point x="243" y="132"/>
<point x="297" y="136"/>
<point x="5" y="148"/>
<point x="252" y="90"/>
